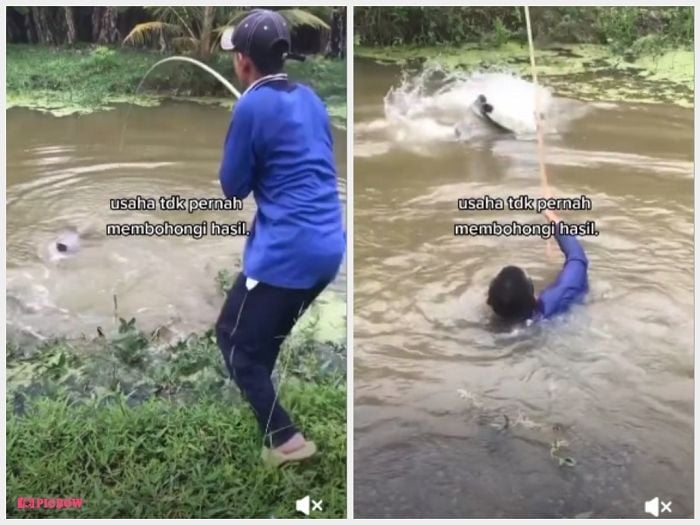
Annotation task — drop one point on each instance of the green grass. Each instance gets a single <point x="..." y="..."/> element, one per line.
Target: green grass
<point x="83" y="78"/>
<point x="141" y="426"/>
<point x="162" y="460"/>
<point x="65" y="81"/>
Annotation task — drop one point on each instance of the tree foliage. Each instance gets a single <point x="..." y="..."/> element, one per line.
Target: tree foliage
<point x="619" y="27"/>
<point x="184" y="29"/>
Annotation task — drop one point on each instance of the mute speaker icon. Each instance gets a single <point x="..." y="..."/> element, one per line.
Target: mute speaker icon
<point x="303" y="505"/>
<point x="652" y="507"/>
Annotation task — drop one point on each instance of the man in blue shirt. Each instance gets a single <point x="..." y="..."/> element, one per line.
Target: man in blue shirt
<point x="512" y="296"/>
<point x="279" y="147"/>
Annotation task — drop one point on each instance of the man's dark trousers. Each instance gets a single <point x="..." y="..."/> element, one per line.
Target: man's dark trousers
<point x="251" y="327"/>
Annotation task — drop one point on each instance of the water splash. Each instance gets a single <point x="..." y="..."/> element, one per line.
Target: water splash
<point x="436" y="105"/>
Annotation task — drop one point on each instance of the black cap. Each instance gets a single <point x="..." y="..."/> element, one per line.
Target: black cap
<point x="263" y="35"/>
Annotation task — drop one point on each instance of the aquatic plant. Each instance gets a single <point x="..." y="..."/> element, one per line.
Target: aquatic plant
<point x="555" y="451"/>
<point x="500" y="421"/>
<point x="225" y="280"/>
<point x="585" y="72"/>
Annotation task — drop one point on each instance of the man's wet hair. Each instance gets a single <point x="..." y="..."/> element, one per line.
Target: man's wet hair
<point x="512" y="295"/>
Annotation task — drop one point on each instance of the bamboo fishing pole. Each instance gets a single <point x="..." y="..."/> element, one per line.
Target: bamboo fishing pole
<point x="538" y="122"/>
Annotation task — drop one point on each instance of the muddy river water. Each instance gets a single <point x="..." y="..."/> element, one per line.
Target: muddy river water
<point x="62" y="173"/>
<point x="455" y="417"/>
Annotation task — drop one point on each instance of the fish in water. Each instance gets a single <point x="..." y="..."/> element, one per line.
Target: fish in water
<point x="505" y="104"/>
<point x="483" y="107"/>
<point x="66" y="244"/>
<point x="485" y="110"/>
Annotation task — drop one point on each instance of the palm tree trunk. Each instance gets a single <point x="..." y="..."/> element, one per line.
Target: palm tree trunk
<point x="96" y="17"/>
<point x="207" y="26"/>
<point x="336" y="44"/>
<point x="30" y="28"/>
<point x="109" y="33"/>
<point x="41" y="23"/>
<point x="72" y="32"/>
<point x="15" y="27"/>
<point x="343" y="32"/>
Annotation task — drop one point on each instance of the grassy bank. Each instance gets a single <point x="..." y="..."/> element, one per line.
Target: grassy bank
<point x="159" y="460"/>
<point x="66" y="81"/>
<point x="141" y="425"/>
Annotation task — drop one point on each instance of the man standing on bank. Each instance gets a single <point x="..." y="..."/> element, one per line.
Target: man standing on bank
<point x="279" y="146"/>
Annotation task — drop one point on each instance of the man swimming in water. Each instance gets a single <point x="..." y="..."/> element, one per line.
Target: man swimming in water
<point x="279" y="146"/>
<point x="511" y="294"/>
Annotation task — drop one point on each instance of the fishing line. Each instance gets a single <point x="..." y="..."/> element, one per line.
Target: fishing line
<point x="199" y="64"/>
<point x="189" y="60"/>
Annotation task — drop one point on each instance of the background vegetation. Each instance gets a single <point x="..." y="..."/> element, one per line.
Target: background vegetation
<point x="139" y="426"/>
<point x="180" y="29"/>
<point x="620" y="27"/>
<point x="77" y="59"/>
<point x="83" y="78"/>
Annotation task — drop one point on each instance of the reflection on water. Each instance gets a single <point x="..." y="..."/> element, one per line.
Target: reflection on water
<point x="454" y="418"/>
<point x="61" y="173"/>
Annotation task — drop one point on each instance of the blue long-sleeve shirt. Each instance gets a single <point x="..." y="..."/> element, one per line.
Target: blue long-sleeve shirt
<point x="571" y="284"/>
<point x="279" y="146"/>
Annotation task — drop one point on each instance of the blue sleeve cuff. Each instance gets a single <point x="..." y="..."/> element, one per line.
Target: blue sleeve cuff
<point x="570" y="246"/>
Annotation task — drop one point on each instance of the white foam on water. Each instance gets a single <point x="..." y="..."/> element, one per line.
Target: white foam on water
<point x="438" y="99"/>
<point x="436" y="105"/>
